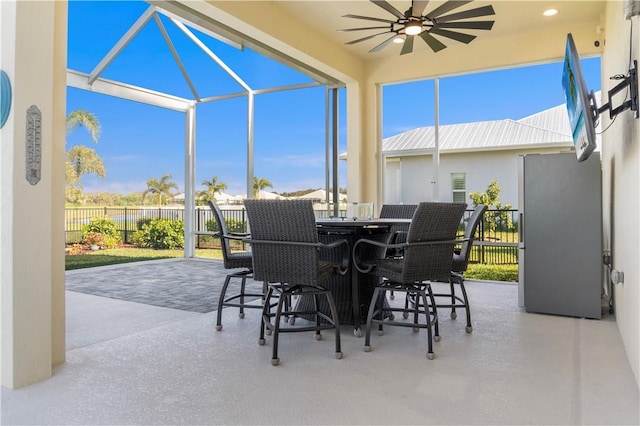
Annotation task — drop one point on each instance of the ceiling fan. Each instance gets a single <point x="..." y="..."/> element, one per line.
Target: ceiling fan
<point x="413" y="23"/>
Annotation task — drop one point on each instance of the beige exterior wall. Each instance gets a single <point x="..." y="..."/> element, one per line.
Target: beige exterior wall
<point x="621" y="178"/>
<point x="32" y="228"/>
<point x="480" y="168"/>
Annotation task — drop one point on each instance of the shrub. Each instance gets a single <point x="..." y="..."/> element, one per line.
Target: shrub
<point x="106" y="228"/>
<point x="161" y="234"/>
<point x="212" y="225"/>
<point x="93" y="239"/>
<point x="143" y="221"/>
<point x="233" y="225"/>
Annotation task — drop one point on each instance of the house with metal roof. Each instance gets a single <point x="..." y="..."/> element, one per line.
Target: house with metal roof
<point x="471" y="156"/>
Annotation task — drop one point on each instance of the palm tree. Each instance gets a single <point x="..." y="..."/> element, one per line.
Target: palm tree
<point x="213" y="187"/>
<point x="81" y="160"/>
<point x="85" y="119"/>
<point x="160" y="187"/>
<point x="259" y="185"/>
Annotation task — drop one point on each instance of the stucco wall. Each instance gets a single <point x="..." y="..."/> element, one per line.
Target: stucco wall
<point x="31" y="265"/>
<point x="621" y="182"/>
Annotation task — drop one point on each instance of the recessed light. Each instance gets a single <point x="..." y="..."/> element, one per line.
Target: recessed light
<point x="550" y="12"/>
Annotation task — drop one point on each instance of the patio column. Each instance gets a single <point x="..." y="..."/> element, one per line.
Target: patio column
<point x="189" y="181"/>
<point x="436" y="154"/>
<point x="33" y="54"/>
<point x="250" y="170"/>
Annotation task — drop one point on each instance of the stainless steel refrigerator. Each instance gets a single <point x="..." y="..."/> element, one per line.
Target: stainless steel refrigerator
<point x="560" y="222"/>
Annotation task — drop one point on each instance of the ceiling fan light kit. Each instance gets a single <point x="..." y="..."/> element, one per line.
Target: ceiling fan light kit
<point x="406" y="26"/>
<point x="413" y="28"/>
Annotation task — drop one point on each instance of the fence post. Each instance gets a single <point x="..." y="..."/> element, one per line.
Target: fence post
<point x="482" y="239"/>
<point x="126" y="226"/>
<point x="197" y="211"/>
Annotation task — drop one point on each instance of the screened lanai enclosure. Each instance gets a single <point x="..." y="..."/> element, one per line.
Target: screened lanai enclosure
<point x="226" y="100"/>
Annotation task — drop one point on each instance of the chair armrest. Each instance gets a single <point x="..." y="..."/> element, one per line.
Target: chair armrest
<point x="229" y="236"/>
<point x="239" y="234"/>
<point x="340" y="269"/>
<point x="236" y="236"/>
<point x="369" y="268"/>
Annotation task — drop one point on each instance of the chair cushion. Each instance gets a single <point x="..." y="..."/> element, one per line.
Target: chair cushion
<point x="240" y="259"/>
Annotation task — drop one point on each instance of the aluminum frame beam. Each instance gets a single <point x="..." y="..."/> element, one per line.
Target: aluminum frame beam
<point x="176" y="56"/>
<point x="122" y="43"/>
<point x="126" y="91"/>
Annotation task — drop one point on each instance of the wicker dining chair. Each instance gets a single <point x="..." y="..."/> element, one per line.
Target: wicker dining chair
<point x="398" y="232"/>
<point x="428" y="256"/>
<point x="242" y="264"/>
<point x="285" y="246"/>
<point x="459" y="267"/>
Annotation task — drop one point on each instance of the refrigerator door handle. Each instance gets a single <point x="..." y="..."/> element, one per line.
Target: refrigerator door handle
<point x="521" y="225"/>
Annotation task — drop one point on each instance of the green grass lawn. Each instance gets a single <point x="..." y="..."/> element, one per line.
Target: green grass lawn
<point x="129" y="254"/>
<point x="133" y="254"/>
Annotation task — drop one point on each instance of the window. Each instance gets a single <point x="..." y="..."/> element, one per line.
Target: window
<point x="458" y="188"/>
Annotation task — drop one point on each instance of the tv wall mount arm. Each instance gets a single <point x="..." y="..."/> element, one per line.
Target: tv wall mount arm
<point x="630" y="81"/>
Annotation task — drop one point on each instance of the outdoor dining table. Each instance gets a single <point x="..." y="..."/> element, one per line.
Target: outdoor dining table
<point x="353" y="291"/>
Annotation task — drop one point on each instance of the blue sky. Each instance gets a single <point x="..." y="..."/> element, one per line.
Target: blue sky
<point x="140" y="142"/>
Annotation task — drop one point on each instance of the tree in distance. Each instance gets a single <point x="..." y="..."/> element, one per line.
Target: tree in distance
<point x="259" y="184"/>
<point x="80" y="159"/>
<point x="161" y="188"/>
<point x="213" y="187"/>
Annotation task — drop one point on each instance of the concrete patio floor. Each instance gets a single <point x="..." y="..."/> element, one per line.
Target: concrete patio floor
<point x="133" y="363"/>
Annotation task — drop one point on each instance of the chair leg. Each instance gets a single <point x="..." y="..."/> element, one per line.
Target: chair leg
<point x="317" y="317"/>
<point x="266" y="314"/>
<point x="372" y="308"/>
<point x="223" y="292"/>
<point x="423" y="295"/>
<point x="468" y="328"/>
<point x="452" y="288"/>
<point x="276" y="328"/>
<point x="336" y="323"/>
<point x="242" y="286"/>
<point x="436" y="325"/>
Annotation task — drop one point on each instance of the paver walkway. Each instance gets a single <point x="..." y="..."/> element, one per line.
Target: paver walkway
<point x="186" y="284"/>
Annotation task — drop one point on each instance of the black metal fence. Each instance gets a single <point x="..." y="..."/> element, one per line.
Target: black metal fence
<point x="496" y="243"/>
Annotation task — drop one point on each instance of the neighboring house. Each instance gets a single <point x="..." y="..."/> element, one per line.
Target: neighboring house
<point x="319" y="196"/>
<point x="471" y="156"/>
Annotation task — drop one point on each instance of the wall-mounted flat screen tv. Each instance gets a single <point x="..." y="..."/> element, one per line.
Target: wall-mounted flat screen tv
<point x="578" y="100"/>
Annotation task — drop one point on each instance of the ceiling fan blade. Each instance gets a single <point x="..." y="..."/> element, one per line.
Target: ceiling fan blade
<point x="450" y="5"/>
<point x="369" y="18"/>
<point x="367" y="38"/>
<point x="363" y="28"/>
<point x="382" y="45"/>
<point x="435" y="44"/>
<point x="407" y="47"/>
<point x="472" y="13"/>
<point x="386" y="6"/>
<point x="463" y="38"/>
<point x="471" y="25"/>
<point x="418" y="6"/>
